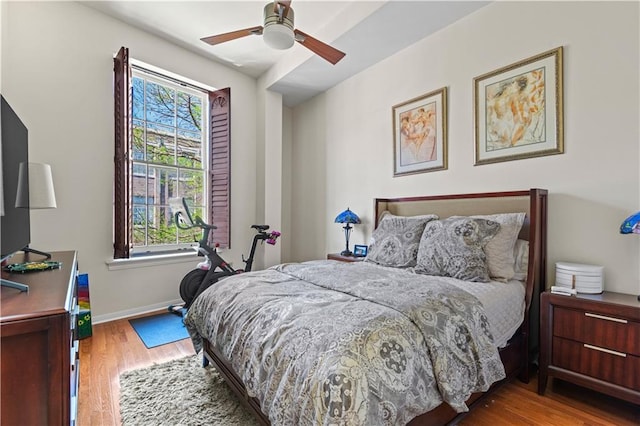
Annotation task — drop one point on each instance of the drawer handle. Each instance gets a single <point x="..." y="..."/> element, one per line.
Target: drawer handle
<point x="609" y="351"/>
<point x="623" y="321"/>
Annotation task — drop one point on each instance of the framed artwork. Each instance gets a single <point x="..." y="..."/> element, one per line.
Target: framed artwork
<point x="519" y="110"/>
<point x="420" y="134"/>
<point x="360" y="250"/>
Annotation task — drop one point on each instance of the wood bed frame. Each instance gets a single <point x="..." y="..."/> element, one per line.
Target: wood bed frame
<point x="522" y="347"/>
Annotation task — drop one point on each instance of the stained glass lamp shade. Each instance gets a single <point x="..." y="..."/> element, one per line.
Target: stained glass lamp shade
<point x="347" y="217"/>
<point x="631" y="225"/>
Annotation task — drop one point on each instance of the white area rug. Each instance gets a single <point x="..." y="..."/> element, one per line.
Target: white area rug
<point x="179" y="392"/>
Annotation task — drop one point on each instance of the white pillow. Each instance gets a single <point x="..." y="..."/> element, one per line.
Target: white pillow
<point x="521" y="264"/>
<point x="499" y="250"/>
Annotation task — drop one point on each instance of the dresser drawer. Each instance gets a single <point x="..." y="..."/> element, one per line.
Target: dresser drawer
<point x="601" y="363"/>
<point x="607" y="331"/>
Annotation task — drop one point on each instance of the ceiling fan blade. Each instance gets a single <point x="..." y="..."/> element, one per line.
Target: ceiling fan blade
<point x="327" y="52"/>
<point x="221" y="38"/>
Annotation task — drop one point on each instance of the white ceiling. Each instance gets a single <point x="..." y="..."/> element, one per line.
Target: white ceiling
<point x="367" y="31"/>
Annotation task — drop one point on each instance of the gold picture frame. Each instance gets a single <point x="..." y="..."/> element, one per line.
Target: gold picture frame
<point x="420" y="134"/>
<point x="518" y="110"/>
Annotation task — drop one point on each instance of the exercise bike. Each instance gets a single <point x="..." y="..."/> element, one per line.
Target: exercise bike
<point x="214" y="267"/>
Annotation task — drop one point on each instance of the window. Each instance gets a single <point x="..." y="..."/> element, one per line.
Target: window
<point x="169" y="137"/>
<point x="172" y="141"/>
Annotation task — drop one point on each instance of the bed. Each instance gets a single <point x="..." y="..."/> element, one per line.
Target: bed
<point x="396" y="339"/>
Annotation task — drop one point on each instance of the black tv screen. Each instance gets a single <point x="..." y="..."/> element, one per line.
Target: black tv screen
<point x="15" y="232"/>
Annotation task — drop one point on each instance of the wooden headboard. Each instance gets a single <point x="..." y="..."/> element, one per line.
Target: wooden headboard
<point x="533" y="202"/>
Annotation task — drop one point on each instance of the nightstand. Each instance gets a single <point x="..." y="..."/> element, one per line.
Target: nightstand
<point x="341" y="258"/>
<point x="592" y="341"/>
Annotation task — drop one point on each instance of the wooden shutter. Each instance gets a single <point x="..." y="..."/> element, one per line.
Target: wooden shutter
<point x="122" y="166"/>
<point x="220" y="166"/>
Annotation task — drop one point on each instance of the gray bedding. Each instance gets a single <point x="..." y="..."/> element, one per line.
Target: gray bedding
<point x="335" y="343"/>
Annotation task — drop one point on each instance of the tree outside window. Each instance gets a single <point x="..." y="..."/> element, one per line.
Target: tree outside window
<point x="168" y="148"/>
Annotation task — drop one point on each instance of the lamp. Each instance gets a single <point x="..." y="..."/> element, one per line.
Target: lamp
<point x="347" y="217"/>
<point x="631" y="225"/>
<point x="35" y="191"/>
<point x="278" y="36"/>
<point x="278" y="29"/>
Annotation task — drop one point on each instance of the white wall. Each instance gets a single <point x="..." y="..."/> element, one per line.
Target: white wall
<point x="274" y="175"/>
<point x="57" y="71"/>
<point x="273" y="160"/>
<point x="310" y="220"/>
<point x="342" y="139"/>
<point x="286" y="177"/>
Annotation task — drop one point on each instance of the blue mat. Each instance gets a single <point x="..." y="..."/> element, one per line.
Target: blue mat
<point x="159" y="329"/>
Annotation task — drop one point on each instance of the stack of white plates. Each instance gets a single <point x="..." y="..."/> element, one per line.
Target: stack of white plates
<point x="584" y="278"/>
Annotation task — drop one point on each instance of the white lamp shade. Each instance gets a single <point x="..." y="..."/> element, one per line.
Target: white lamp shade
<point x="278" y="36"/>
<point x="39" y="192"/>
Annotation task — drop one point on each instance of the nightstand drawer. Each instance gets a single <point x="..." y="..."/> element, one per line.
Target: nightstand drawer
<point x="607" y="331"/>
<point x="594" y="361"/>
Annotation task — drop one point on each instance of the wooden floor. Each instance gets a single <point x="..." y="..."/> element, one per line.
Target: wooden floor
<point x="115" y="347"/>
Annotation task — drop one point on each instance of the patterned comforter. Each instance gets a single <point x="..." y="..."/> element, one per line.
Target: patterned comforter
<point x="335" y="343"/>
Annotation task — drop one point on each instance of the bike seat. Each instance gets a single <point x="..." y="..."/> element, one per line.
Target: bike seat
<point x="260" y="228"/>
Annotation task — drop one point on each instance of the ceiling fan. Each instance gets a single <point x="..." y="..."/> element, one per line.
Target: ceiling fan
<point x="278" y="32"/>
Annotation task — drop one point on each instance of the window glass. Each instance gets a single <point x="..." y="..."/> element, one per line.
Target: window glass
<point x="168" y="152"/>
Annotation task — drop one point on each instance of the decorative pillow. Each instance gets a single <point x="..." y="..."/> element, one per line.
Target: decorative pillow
<point x="521" y="264"/>
<point x="396" y="239"/>
<point x="499" y="250"/>
<point x="454" y="248"/>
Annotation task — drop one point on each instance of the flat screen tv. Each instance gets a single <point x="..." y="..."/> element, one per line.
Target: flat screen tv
<point x="15" y="232"/>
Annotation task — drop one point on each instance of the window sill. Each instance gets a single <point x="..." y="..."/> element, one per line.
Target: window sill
<point x="153" y="260"/>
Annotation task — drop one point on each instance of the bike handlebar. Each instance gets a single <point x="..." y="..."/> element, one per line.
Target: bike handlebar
<point x="181" y="223"/>
<point x="181" y="206"/>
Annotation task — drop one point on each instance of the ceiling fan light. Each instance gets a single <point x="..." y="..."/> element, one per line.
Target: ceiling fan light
<point x="278" y="36"/>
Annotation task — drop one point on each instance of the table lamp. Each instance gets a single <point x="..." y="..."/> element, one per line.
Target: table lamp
<point x="631" y="225"/>
<point x="347" y="217"/>
<point x="35" y="191"/>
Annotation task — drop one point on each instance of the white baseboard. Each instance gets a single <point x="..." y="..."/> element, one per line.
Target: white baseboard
<point x="135" y="311"/>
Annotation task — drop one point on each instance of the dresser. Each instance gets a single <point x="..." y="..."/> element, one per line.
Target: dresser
<point x="39" y="348"/>
<point x="592" y="341"/>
